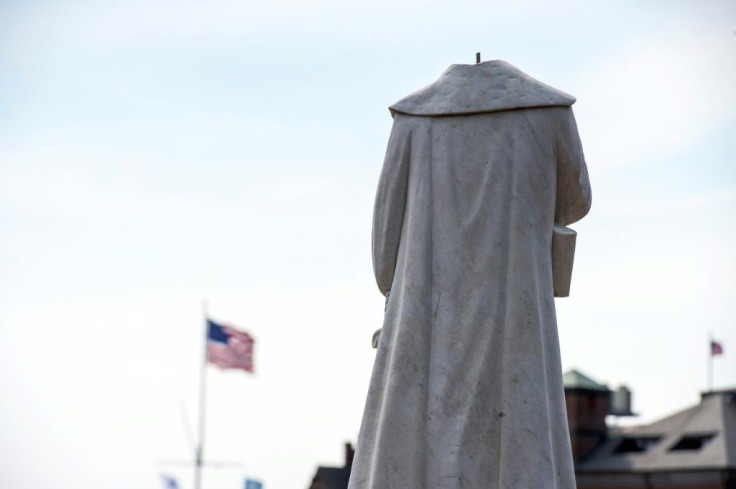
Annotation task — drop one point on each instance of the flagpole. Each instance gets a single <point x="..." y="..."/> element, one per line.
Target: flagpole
<point x="199" y="455"/>
<point x="710" y="361"/>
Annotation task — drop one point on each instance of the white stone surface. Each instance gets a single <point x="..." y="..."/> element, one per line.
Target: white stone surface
<point x="563" y="256"/>
<point x="466" y="390"/>
<point x="486" y="87"/>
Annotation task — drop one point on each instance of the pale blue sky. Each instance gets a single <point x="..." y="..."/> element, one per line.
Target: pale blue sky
<point x="156" y="153"/>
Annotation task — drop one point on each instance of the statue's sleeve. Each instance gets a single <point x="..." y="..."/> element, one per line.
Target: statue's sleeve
<point x="388" y="213"/>
<point x="573" y="186"/>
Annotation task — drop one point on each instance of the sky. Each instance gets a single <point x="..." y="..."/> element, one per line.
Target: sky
<point x="161" y="157"/>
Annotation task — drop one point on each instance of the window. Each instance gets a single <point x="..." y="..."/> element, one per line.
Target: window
<point x="692" y="442"/>
<point x="636" y="444"/>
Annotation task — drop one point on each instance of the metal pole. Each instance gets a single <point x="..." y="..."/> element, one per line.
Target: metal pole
<point x="199" y="455"/>
<point x="710" y="361"/>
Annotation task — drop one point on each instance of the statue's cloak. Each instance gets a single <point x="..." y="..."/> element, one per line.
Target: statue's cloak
<point x="466" y="390"/>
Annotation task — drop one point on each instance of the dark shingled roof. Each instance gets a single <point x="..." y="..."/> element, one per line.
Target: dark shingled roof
<point x="334" y="478"/>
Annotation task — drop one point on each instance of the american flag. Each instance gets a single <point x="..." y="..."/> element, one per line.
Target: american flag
<point x="229" y="348"/>
<point x="716" y="348"/>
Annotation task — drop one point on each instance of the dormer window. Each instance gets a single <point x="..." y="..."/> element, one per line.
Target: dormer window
<point x="636" y="444"/>
<point x="692" y="442"/>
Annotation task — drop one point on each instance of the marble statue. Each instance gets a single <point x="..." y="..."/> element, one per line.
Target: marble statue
<point x="466" y="390"/>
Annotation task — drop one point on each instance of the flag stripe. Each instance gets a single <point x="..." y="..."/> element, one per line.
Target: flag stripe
<point x="228" y="347"/>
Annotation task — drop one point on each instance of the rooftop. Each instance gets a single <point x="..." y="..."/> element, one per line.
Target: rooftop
<point x="700" y="437"/>
<point x="574" y="379"/>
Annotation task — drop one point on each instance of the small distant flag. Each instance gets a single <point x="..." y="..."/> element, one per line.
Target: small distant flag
<point x="169" y="482"/>
<point x="253" y="484"/>
<point x="716" y="348"/>
<point x="229" y="348"/>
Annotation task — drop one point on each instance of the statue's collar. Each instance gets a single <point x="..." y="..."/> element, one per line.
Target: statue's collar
<point x="484" y="87"/>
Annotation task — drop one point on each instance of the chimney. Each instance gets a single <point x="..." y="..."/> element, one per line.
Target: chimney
<point x="621" y="402"/>
<point x="349" y="454"/>
<point x="588" y="403"/>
